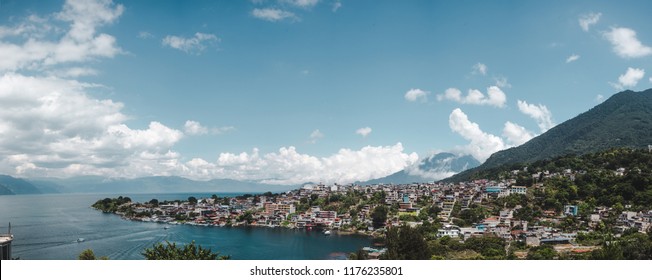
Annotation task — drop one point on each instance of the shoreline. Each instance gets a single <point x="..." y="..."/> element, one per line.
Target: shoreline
<point x="340" y="232"/>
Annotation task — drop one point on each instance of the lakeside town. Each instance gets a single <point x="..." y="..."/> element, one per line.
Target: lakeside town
<point x="521" y="215"/>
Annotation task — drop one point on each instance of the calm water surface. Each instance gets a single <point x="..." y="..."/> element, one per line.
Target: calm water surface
<point x="48" y="226"/>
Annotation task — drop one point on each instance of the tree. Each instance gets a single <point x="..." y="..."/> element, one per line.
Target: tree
<point x="359" y="255"/>
<point x="379" y="216"/>
<point x="192" y="200"/>
<point x="88" y="254"/>
<point x="543" y="252"/>
<point x="154" y="202"/>
<point x="488" y="246"/>
<point x="406" y="243"/>
<point x="170" y="251"/>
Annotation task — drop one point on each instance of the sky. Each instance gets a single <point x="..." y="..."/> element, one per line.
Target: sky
<point x="293" y="91"/>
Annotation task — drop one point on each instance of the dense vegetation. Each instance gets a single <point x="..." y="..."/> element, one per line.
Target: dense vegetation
<point x="170" y="251"/>
<point x="624" y="120"/>
<point x="594" y="181"/>
<point x="111" y="205"/>
<point x="89" y="255"/>
<point x="618" y="178"/>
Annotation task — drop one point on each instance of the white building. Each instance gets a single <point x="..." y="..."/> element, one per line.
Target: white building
<point x="451" y="231"/>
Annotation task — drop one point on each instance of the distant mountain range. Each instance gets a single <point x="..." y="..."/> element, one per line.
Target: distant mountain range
<point x="623" y="120"/>
<point x="158" y="184"/>
<point x="432" y="168"/>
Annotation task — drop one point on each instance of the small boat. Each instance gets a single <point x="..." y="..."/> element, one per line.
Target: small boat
<point x="79" y="240"/>
<point x="328" y="232"/>
<point x="166" y="227"/>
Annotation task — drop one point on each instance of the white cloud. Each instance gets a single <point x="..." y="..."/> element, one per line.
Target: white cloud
<point x="301" y="3"/>
<point x="572" y="58"/>
<point x="273" y="15"/>
<point x="480" y="68"/>
<point x="58" y="129"/>
<point x="315" y="135"/>
<point x="364" y="131"/>
<point x="287" y="166"/>
<point x="223" y="129"/>
<point x="502" y="82"/>
<point x="539" y="113"/>
<point x="626" y="44"/>
<point x="481" y="144"/>
<point x="495" y="97"/>
<point x="336" y="6"/>
<point x="516" y="134"/>
<point x="74" y="72"/>
<point x="145" y="35"/>
<point x="630" y="78"/>
<point x="79" y="42"/>
<point x="587" y="20"/>
<point x="599" y="98"/>
<point x="194" y="128"/>
<point x="416" y="94"/>
<point x="194" y="44"/>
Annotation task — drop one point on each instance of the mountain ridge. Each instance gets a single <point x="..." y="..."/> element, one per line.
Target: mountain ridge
<point x="151" y="184"/>
<point x="431" y="168"/>
<point x="623" y="120"/>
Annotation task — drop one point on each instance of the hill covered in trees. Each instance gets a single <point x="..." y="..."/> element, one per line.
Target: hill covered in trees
<point x="624" y="120"/>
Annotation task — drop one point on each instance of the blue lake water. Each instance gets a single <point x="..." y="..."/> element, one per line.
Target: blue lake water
<point x="48" y="226"/>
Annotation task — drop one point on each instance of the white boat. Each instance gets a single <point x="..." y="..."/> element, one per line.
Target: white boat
<point x="166" y="227"/>
<point x="80" y="240"/>
<point x="328" y="232"/>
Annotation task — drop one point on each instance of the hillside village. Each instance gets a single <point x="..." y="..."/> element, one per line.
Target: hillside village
<point x="518" y="214"/>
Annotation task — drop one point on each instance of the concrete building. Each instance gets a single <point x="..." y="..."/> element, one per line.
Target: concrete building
<point x="5" y="245"/>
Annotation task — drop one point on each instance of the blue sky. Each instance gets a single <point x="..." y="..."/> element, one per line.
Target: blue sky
<point x="293" y="91"/>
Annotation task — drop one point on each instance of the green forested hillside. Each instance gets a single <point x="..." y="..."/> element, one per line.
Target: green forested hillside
<point x="595" y="178"/>
<point x="624" y="120"/>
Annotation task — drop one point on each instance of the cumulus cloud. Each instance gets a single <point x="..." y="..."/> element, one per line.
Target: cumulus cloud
<point x="480" y="68"/>
<point x="502" y="82"/>
<point x="364" y="131"/>
<point x="599" y="98"/>
<point x="79" y="42"/>
<point x="495" y="97"/>
<point x="587" y="20"/>
<point x="273" y="15"/>
<point x="481" y="144"/>
<point x="630" y="78"/>
<point x="625" y="43"/>
<point x="145" y="35"/>
<point x="315" y="135"/>
<point x="539" y="113"/>
<point x="74" y="72"/>
<point x="516" y="134"/>
<point x="416" y="94"/>
<point x="301" y="3"/>
<point x="572" y="58"/>
<point x="195" y="44"/>
<point x="53" y="127"/>
<point x="287" y="166"/>
<point x="194" y="128"/>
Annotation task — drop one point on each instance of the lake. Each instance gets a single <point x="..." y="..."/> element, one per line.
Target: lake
<point x="47" y="227"/>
